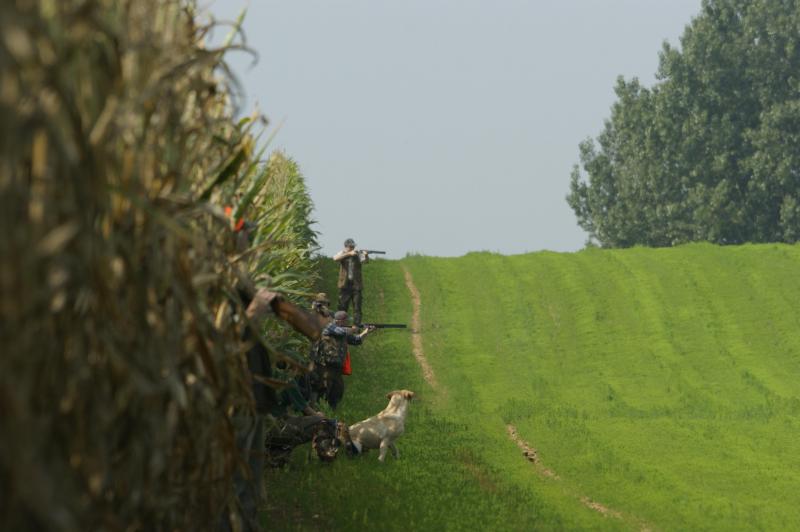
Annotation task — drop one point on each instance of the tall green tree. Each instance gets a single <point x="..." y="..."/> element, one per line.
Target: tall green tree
<point x="710" y="152"/>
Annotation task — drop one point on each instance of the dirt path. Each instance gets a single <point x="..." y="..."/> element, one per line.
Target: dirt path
<point x="528" y="451"/>
<point x="416" y="335"/>
<point x="532" y="456"/>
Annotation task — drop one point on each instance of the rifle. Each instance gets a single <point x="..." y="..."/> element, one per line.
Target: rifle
<point x="372" y="252"/>
<point x="385" y="325"/>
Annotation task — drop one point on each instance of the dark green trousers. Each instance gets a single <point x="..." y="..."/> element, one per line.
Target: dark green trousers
<point x="350" y="294"/>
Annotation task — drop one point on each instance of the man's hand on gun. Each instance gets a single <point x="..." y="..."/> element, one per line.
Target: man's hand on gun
<point x="367" y="328"/>
<point x="362" y="330"/>
<point x="365" y="252"/>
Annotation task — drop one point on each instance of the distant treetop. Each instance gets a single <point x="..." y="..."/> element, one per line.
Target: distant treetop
<point x="710" y="152"/>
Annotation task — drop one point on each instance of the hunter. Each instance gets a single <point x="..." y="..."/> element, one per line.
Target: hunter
<point x="350" y="282"/>
<point x="321" y="305"/>
<point x="311" y="384"/>
<point x="330" y="353"/>
<point x="249" y="425"/>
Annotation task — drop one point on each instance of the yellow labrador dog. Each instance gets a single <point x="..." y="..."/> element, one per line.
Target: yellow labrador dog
<point x="381" y="431"/>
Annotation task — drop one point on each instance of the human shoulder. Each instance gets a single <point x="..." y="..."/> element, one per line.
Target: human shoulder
<point x="334" y="330"/>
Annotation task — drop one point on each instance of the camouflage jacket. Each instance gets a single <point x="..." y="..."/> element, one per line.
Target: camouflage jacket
<point x="331" y="348"/>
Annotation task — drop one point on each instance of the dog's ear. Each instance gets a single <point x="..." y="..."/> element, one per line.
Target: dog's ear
<point x="408" y="394"/>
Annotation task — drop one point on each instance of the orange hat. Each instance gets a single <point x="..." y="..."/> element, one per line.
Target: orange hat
<point x="239" y="223"/>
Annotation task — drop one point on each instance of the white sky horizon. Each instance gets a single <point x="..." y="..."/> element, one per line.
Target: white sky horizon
<point x="441" y="127"/>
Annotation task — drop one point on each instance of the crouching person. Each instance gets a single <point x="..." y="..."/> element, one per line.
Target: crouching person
<point x="286" y="431"/>
<point x="291" y="422"/>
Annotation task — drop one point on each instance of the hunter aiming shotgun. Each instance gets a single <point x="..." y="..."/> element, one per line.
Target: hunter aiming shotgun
<point x="350" y="283"/>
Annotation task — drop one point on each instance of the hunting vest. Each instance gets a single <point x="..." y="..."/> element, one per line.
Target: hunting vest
<point x="350" y="272"/>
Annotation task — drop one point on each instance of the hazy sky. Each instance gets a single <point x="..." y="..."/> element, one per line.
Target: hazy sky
<point x="442" y="127"/>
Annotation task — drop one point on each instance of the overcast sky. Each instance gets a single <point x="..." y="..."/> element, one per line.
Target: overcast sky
<point x="443" y="127"/>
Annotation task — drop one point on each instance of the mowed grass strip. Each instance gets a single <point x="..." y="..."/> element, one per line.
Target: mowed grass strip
<point x="662" y="383"/>
<point x="658" y="383"/>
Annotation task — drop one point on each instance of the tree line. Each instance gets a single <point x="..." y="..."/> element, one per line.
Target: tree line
<point x="710" y="152"/>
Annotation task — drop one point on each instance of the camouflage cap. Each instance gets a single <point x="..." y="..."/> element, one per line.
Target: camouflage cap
<point x="349" y="242"/>
<point x="340" y="315"/>
<point x="322" y="297"/>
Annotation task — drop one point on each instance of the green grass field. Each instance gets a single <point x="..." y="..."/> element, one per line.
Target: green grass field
<point x="663" y="384"/>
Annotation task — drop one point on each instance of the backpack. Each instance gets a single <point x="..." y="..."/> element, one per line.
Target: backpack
<point x="328" y="352"/>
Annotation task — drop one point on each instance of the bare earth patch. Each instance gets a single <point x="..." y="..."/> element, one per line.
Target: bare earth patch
<point x="416" y="336"/>
<point x="528" y="451"/>
<point x="532" y="456"/>
<point x="597" y="507"/>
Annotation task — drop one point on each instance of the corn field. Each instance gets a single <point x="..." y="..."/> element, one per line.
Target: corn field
<point x="119" y="149"/>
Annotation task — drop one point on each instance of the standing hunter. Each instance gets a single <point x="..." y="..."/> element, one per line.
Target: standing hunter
<point x="350" y="282"/>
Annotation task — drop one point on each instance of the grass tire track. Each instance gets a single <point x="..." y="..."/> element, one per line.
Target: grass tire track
<point x="416" y="335"/>
<point x="529" y="452"/>
<point x="532" y="456"/>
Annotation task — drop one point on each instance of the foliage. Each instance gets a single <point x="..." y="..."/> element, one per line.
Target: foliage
<point x="273" y="196"/>
<point x="709" y="152"/>
<point x="284" y="240"/>
<point x="118" y="149"/>
<point x="660" y="383"/>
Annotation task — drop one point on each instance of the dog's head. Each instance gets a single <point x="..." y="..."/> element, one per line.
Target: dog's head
<point x="405" y="394"/>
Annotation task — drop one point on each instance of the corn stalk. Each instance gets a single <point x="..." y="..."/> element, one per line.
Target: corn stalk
<point x="118" y="149"/>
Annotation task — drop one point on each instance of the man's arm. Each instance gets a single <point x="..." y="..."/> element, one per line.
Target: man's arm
<point x="261" y="304"/>
<point x="357" y="339"/>
<point x="343" y="254"/>
<point x="336" y="331"/>
<point x="306" y="323"/>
